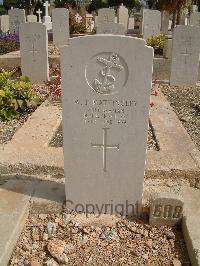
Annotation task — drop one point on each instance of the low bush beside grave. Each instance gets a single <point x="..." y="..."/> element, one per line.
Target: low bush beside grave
<point x="18" y="99"/>
<point x="157" y="42"/>
<point x="8" y="43"/>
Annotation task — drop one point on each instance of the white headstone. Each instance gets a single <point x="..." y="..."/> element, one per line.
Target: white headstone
<point x="151" y="23"/>
<point x="111" y="28"/>
<point x="16" y="17"/>
<point x="39" y="12"/>
<point x="106" y="15"/>
<point x="78" y="18"/>
<point x="47" y="19"/>
<point x="164" y="22"/>
<point x="4" y="23"/>
<point x="185" y="55"/>
<point x="31" y="18"/>
<point x="195" y="19"/>
<point x="34" y="51"/>
<point x="89" y="22"/>
<point x="95" y="21"/>
<point x="122" y="16"/>
<point x="131" y="24"/>
<point x="60" y="21"/>
<point x="105" y="121"/>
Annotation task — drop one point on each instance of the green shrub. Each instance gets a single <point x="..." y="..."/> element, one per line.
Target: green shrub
<point x="157" y="42"/>
<point x="75" y="27"/>
<point x="15" y="96"/>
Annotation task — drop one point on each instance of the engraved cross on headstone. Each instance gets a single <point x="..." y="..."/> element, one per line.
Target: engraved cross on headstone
<point x="105" y="146"/>
<point x="33" y="51"/>
<point x="186" y="54"/>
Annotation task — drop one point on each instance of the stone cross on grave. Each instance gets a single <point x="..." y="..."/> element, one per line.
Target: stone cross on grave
<point x="105" y="146"/>
<point x="39" y="12"/>
<point x="186" y="54"/>
<point x="46" y="5"/>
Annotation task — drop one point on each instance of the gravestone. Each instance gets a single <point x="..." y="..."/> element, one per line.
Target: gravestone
<point x="167" y="49"/>
<point x="185" y="56"/>
<point x="78" y="18"/>
<point x="95" y="21"/>
<point x="164" y="22"/>
<point x="195" y="19"/>
<point x="34" y="51"/>
<point x="105" y="121"/>
<point x="60" y="21"/>
<point x="39" y="12"/>
<point x="151" y="23"/>
<point x="31" y="18"/>
<point x="89" y="22"/>
<point x="166" y="210"/>
<point x="47" y="19"/>
<point x="122" y="16"/>
<point x="106" y="15"/>
<point x="16" y="17"/>
<point x="4" y="23"/>
<point x="131" y="24"/>
<point x="111" y="28"/>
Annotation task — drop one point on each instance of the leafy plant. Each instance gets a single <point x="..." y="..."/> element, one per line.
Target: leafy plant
<point x="157" y="42"/>
<point x="15" y="96"/>
<point x="76" y="27"/>
<point x="8" y="42"/>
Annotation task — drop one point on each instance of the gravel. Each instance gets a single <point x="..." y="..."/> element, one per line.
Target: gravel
<point x="57" y="140"/>
<point x="124" y="242"/>
<point x="186" y="104"/>
<point x="53" y="50"/>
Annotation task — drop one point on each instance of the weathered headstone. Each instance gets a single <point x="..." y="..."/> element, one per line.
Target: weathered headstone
<point x="47" y="19"/>
<point x="105" y="121"/>
<point x="78" y="18"/>
<point x="164" y="22"/>
<point x="31" y="18"/>
<point x="89" y="22"/>
<point x="167" y="49"/>
<point x="195" y="19"/>
<point x="151" y="23"/>
<point x="4" y="23"/>
<point x="106" y="15"/>
<point x="16" y="17"/>
<point x="122" y="16"/>
<point x="185" y="55"/>
<point x="166" y="210"/>
<point x="111" y="28"/>
<point x="60" y="21"/>
<point x="39" y="12"/>
<point x="131" y="24"/>
<point x="34" y="51"/>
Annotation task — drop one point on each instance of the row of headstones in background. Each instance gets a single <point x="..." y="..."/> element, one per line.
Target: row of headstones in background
<point x="106" y="22"/>
<point x="34" y="44"/>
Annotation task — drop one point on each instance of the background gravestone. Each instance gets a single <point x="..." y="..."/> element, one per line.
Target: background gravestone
<point x="4" y="23"/>
<point x="195" y="19"/>
<point x="151" y="23"/>
<point x="122" y="16"/>
<point x="16" y="17"/>
<point x="31" y="18"/>
<point x="34" y="51"/>
<point x="60" y="22"/>
<point x="164" y="22"/>
<point x="166" y="210"/>
<point x="185" y="56"/>
<point x="131" y="24"/>
<point x="111" y="28"/>
<point x="105" y="119"/>
<point x="106" y="15"/>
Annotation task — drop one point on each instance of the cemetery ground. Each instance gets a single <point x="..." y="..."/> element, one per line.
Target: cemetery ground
<point x="34" y="178"/>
